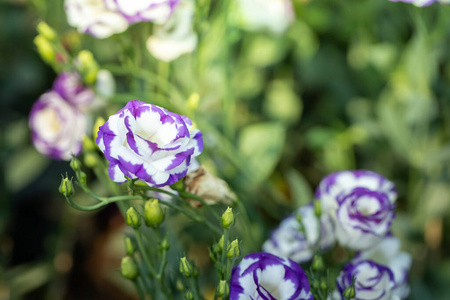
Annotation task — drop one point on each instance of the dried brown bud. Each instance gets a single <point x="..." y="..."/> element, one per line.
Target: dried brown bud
<point x="211" y="188"/>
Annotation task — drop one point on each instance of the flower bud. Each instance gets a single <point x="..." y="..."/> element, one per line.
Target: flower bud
<point x="192" y="101"/>
<point x="185" y="267"/>
<point x="90" y="160"/>
<point x="233" y="250"/>
<point x="99" y="122"/>
<point x="349" y="292"/>
<point x="66" y="187"/>
<point x="88" y="67"/>
<point x="46" y="31"/>
<point x="317" y="208"/>
<point x="318" y="263"/>
<point x="188" y="295"/>
<point x="323" y="284"/>
<point x="81" y="177"/>
<point x="133" y="218"/>
<point x="223" y="289"/>
<point x="75" y="164"/>
<point x="165" y="244"/>
<point x="128" y="268"/>
<point x="228" y="218"/>
<point x="45" y="49"/>
<point x="130" y="247"/>
<point x="88" y="144"/>
<point x="153" y="214"/>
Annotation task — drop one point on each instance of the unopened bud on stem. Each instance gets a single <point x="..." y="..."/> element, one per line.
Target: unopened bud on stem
<point x="185" y="267"/>
<point x="133" y="218"/>
<point x="153" y="214"/>
<point x="233" y="250"/>
<point x="128" y="268"/>
<point x="227" y="218"/>
<point x="66" y="187"/>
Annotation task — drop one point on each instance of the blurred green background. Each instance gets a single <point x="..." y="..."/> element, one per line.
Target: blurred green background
<point x="354" y="84"/>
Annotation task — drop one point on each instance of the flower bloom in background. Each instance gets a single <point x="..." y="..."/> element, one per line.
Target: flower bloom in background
<point x="156" y="11"/>
<point x="337" y="184"/>
<point x="372" y="281"/>
<point x="388" y="253"/>
<point x="94" y="17"/>
<point x="150" y="143"/>
<point x="422" y="2"/>
<point x="273" y="15"/>
<point x="265" y="276"/>
<point x="176" y="36"/>
<point x="289" y="240"/>
<point x="69" y="87"/>
<point x="57" y="128"/>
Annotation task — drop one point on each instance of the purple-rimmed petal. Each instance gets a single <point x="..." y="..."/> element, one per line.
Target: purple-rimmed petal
<point x="289" y="241"/>
<point x="157" y="11"/>
<point x="56" y="127"/>
<point x="70" y="87"/>
<point x="417" y="2"/>
<point x="372" y="281"/>
<point x="265" y="276"/>
<point x="150" y="143"/>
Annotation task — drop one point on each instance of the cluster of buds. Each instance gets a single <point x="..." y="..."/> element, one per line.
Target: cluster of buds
<point x="153" y="215"/>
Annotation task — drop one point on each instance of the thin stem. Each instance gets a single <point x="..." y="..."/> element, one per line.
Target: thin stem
<point x="143" y="252"/>
<point x="139" y="287"/>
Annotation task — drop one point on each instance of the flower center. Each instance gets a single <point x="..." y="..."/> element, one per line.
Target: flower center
<point x="367" y="206"/>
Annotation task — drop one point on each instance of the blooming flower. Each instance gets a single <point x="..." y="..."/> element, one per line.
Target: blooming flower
<point x="69" y="87"/>
<point x="274" y="15"/>
<point x="156" y="11"/>
<point x="340" y="183"/>
<point x="265" y="276"/>
<point x="288" y="240"/>
<point x="176" y="36"/>
<point x="361" y="204"/>
<point x="95" y="18"/>
<point x="372" y="281"/>
<point x="417" y="2"/>
<point x="57" y="128"/>
<point x="388" y="253"/>
<point x="150" y="143"/>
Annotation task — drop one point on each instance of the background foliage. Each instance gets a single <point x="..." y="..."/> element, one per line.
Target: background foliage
<point x="355" y="84"/>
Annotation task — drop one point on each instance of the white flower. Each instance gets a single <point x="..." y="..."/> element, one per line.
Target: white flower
<point x="156" y="11"/>
<point x="388" y="253"/>
<point x="176" y="37"/>
<point x="57" y="128"/>
<point x="93" y="17"/>
<point x="288" y="241"/>
<point x="150" y="143"/>
<point x="273" y="15"/>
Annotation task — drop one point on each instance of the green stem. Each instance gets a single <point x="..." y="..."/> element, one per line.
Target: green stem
<point x="143" y="252"/>
<point x="139" y="287"/>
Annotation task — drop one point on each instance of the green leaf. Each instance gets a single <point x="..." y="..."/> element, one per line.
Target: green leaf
<point x="262" y="145"/>
<point x="301" y="191"/>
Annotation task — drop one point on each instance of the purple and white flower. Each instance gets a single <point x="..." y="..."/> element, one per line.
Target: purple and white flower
<point x="150" y="143"/>
<point x="289" y="240"/>
<point x="361" y="204"/>
<point x="337" y="184"/>
<point x="388" y="253"/>
<point x="57" y="128"/>
<point x="156" y="11"/>
<point x="69" y="87"/>
<point x="273" y="15"/>
<point x="175" y="37"/>
<point x="422" y="2"/>
<point x="95" y="18"/>
<point x="372" y="281"/>
<point x="262" y="276"/>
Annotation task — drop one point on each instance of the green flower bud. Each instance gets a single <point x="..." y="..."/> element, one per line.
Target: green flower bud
<point x="99" y="122"/>
<point x="153" y="214"/>
<point x="88" y="67"/>
<point x="88" y="144"/>
<point x="349" y="292"/>
<point x="188" y="295"/>
<point x="220" y="244"/>
<point x="133" y="218"/>
<point x="130" y="246"/>
<point x="223" y="289"/>
<point x="318" y="263"/>
<point x="185" y="267"/>
<point x="128" y="268"/>
<point x="233" y="249"/>
<point x="228" y="218"/>
<point x="46" y="31"/>
<point x="323" y="284"/>
<point x="165" y="244"/>
<point x="45" y="49"/>
<point x="317" y="208"/>
<point x="90" y="160"/>
<point x="66" y="187"/>
<point x="81" y="177"/>
<point x="75" y="164"/>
